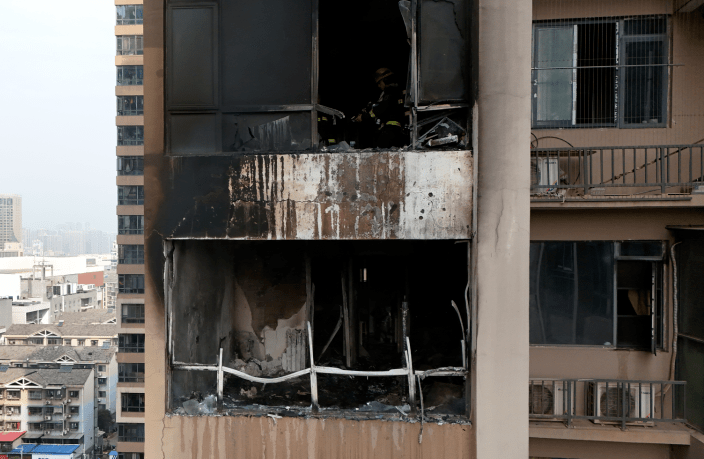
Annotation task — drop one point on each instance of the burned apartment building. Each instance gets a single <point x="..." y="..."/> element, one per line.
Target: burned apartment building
<point x="499" y="281"/>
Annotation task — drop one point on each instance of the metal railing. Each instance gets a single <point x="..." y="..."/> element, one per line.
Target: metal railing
<point x="414" y="376"/>
<point x="607" y="401"/>
<point x="651" y="166"/>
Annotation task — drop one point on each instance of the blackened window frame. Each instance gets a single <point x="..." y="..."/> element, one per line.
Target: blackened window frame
<point x="619" y="89"/>
<point x="211" y="109"/>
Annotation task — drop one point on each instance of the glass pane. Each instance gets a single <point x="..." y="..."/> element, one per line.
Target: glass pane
<point x="644" y="84"/>
<point x="262" y="41"/>
<point x="644" y="26"/>
<point x="690" y="368"/>
<point x="443" y="50"/>
<point x="690" y="264"/>
<point x="641" y="249"/>
<point x="266" y="132"/>
<point x="571" y="293"/>
<point x="554" y="49"/>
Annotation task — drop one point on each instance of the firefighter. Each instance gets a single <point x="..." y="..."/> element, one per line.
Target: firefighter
<point x="387" y="113"/>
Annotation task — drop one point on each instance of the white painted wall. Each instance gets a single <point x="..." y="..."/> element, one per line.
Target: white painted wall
<point x="10" y="285"/>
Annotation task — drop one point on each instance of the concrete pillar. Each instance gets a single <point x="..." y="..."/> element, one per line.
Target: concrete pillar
<point x="500" y="370"/>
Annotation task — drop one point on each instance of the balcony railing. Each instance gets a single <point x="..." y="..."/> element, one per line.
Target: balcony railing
<point x="592" y="169"/>
<point x="607" y="401"/>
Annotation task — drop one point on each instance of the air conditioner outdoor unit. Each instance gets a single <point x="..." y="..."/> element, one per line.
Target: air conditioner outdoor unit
<point x="47" y="418"/>
<point x="68" y="416"/>
<point x="48" y="402"/>
<point x="547" y="397"/>
<point x="546" y="171"/>
<point x="68" y="400"/>
<point x="65" y="432"/>
<point x="620" y="400"/>
<point x="47" y="432"/>
<point x="101" y="400"/>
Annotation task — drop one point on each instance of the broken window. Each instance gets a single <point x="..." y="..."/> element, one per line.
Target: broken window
<point x="369" y="306"/>
<point x="130" y="224"/>
<point x="129" y="14"/>
<point x="129" y="45"/>
<point x="130" y="135"/>
<point x="226" y="91"/>
<point x="600" y="73"/>
<point x="597" y="293"/>
<point x="130" y="283"/>
<point x="130" y="105"/>
<point x="130" y="254"/>
<point x="130" y="75"/>
<point x="130" y="195"/>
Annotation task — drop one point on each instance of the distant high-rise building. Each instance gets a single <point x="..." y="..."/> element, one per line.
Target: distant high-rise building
<point x="10" y="225"/>
<point x="128" y="281"/>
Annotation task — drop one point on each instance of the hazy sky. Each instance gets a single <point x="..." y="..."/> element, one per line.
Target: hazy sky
<point x="57" y="121"/>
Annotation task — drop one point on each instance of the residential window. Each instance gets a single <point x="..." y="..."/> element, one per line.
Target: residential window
<point x="56" y="394"/>
<point x="102" y="394"/>
<point x="130" y="372"/>
<point x="13" y="395"/>
<point x="130" y="135"/>
<point x="67" y="342"/>
<point x="73" y="394"/>
<point x="101" y="406"/>
<point x="131" y="343"/>
<point x="133" y="313"/>
<point x="132" y="402"/>
<point x="35" y="410"/>
<point x="130" y="432"/>
<point x="131" y="283"/>
<point x="129" y="75"/>
<point x="35" y="426"/>
<point x="35" y="395"/>
<point x="12" y="410"/>
<point x="101" y="368"/>
<point x="597" y="293"/>
<point x="131" y="254"/>
<point x="35" y="341"/>
<point x="130" y="224"/>
<point x="73" y="426"/>
<point x="130" y="195"/>
<point x="74" y="409"/>
<point x="129" y="14"/>
<point x="81" y="342"/>
<point x="12" y="425"/>
<point x="94" y="342"/>
<point x="102" y="381"/>
<point x="130" y="455"/>
<point x="130" y="165"/>
<point x="54" y="340"/>
<point x="129" y="45"/>
<point x="600" y="73"/>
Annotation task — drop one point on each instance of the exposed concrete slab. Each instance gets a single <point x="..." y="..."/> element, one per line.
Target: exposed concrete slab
<point x="663" y="434"/>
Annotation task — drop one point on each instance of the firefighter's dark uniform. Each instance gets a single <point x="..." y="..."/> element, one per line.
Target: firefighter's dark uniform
<point x="327" y="130"/>
<point x="388" y="114"/>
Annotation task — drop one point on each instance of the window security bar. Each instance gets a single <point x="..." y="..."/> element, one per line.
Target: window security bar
<point x="608" y="401"/>
<point x="657" y="166"/>
<point x="623" y="66"/>
<point x="313" y="370"/>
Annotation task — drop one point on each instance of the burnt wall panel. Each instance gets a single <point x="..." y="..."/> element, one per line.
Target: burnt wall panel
<point x="388" y="195"/>
<point x="192" y="134"/>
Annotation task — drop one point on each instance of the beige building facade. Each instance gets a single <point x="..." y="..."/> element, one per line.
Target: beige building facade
<point x="129" y="299"/>
<point x="11" y="225"/>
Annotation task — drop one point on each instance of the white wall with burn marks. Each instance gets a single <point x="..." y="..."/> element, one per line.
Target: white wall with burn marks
<point x="358" y="195"/>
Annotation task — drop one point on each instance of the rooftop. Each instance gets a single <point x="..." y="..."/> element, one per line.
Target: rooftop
<point x="11" y="436"/>
<point x="35" y="353"/>
<point x="46" y="376"/>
